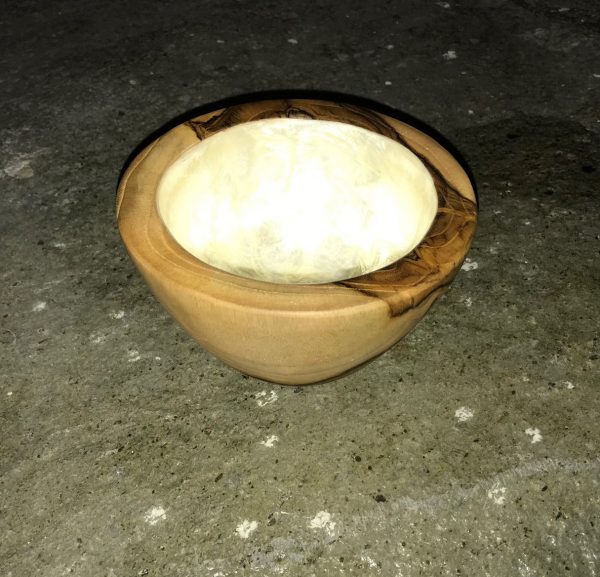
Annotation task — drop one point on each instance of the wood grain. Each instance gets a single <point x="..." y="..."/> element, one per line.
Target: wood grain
<point x="295" y="334"/>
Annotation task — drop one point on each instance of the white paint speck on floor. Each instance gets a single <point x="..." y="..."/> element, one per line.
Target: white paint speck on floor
<point x="39" y="307"/>
<point x="263" y="398"/>
<point x="497" y="494"/>
<point x="9" y="394"/>
<point x="535" y="435"/>
<point x="450" y="55"/>
<point x="322" y="520"/>
<point x="270" y="441"/>
<point x="97" y="338"/>
<point x="155" y="515"/>
<point x="469" y="265"/>
<point x="246" y="528"/>
<point x="133" y="356"/>
<point x="19" y="168"/>
<point x="569" y="384"/>
<point x="108" y="453"/>
<point x="463" y="414"/>
<point x="117" y="314"/>
<point x="368" y="560"/>
<point x="292" y="41"/>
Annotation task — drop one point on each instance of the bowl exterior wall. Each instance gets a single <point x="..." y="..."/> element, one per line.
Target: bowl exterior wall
<point x="286" y="347"/>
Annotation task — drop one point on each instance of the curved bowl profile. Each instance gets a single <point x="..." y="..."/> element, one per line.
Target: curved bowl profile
<point x="295" y="333"/>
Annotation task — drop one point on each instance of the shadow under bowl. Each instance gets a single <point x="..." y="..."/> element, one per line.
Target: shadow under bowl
<point x="295" y="333"/>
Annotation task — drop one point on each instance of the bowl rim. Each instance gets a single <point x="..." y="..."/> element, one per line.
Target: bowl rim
<point x="403" y="284"/>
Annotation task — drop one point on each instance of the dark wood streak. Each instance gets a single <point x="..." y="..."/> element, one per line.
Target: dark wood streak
<point x="430" y="268"/>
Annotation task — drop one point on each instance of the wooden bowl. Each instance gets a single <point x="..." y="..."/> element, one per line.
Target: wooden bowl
<point x="295" y="333"/>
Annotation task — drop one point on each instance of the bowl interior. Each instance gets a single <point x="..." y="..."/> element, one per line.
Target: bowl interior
<point x="297" y="200"/>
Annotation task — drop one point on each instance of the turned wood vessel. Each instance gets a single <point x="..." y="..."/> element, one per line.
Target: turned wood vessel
<point x="295" y="333"/>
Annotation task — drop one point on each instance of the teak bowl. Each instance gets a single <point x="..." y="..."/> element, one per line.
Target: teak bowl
<point x="295" y="333"/>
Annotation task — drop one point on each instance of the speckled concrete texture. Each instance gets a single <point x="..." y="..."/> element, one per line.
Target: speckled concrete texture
<point x="468" y="449"/>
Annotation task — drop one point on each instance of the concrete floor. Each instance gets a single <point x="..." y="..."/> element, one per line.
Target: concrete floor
<point x="470" y="448"/>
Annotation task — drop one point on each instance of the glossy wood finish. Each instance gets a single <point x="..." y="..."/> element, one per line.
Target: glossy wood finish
<point x="295" y="334"/>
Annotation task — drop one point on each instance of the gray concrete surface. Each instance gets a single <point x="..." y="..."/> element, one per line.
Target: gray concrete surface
<point x="469" y="449"/>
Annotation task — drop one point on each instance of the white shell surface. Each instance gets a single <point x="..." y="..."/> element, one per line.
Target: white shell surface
<point x="297" y="200"/>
